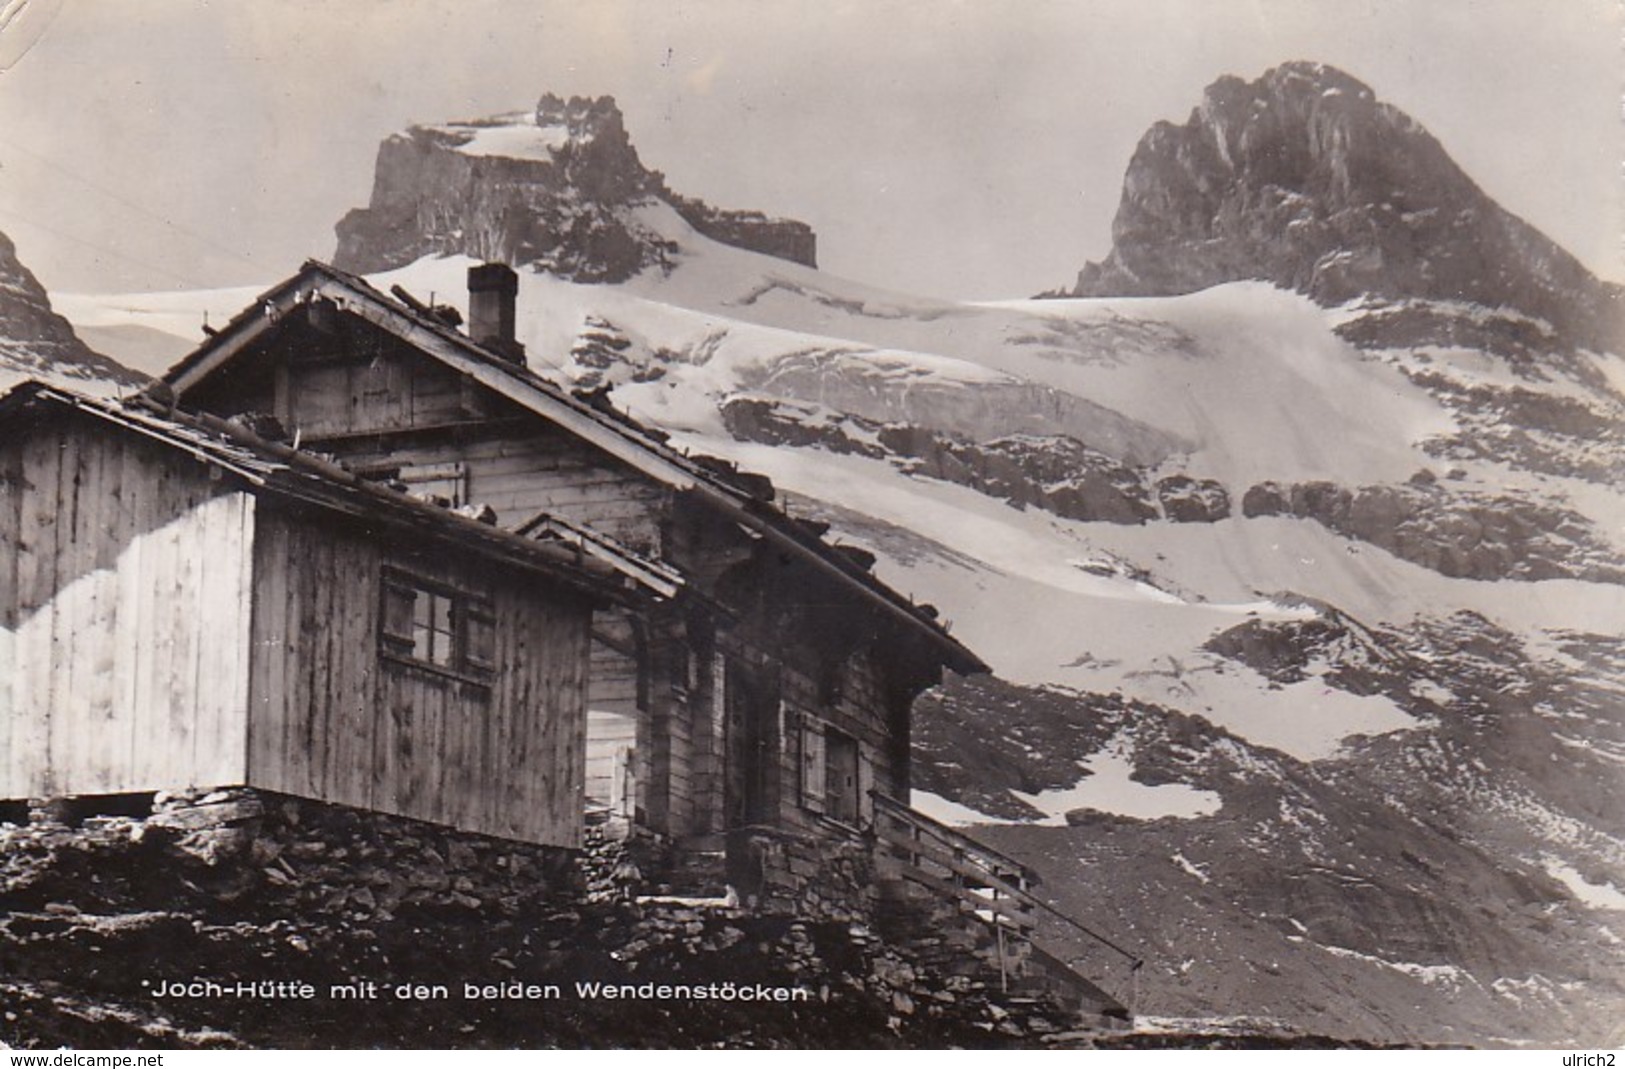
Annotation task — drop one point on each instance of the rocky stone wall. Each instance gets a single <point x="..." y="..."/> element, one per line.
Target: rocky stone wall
<point x="824" y="878"/>
<point x="329" y="859"/>
<point x="236" y="888"/>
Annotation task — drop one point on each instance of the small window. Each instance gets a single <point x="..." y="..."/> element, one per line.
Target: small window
<point x="445" y="484"/>
<point x="841" y="776"/>
<point x="434" y="638"/>
<point x="829" y="772"/>
<point x="436" y="626"/>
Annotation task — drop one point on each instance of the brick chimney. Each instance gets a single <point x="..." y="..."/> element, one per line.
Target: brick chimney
<point x="491" y="292"/>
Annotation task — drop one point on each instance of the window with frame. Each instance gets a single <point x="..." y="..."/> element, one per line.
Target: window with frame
<point x="438" y="627"/>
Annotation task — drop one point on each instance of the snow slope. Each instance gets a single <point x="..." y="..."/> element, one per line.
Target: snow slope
<point x="515" y="136"/>
<point x="1239" y="384"/>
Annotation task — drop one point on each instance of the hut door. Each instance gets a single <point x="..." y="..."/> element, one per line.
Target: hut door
<point x="615" y="708"/>
<point x="753" y="736"/>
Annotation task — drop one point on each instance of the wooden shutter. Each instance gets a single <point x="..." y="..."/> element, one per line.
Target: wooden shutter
<point x="812" y="764"/>
<point x="480" y="645"/>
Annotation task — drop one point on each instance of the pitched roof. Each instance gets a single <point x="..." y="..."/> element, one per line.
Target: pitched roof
<point x="612" y="432"/>
<point x="617" y="434"/>
<point x="277" y="470"/>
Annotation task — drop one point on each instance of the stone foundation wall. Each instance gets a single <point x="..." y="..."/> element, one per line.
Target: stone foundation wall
<point x="370" y="866"/>
<point x="820" y="878"/>
<point x="240" y="886"/>
<point x="333" y="859"/>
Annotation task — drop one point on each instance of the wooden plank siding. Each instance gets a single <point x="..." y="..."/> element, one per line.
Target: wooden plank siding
<point x="522" y="473"/>
<point x="385" y="407"/>
<point x="335" y="720"/>
<point x="124" y="616"/>
<point x="357" y="382"/>
<point x="386" y="411"/>
<point x="708" y="700"/>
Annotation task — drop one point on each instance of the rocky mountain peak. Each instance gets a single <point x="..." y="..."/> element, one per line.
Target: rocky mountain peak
<point x="597" y="153"/>
<point x="36" y="342"/>
<point x="583" y="117"/>
<point x="1304" y="178"/>
<point x="553" y="188"/>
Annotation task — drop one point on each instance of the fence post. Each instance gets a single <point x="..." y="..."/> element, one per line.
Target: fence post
<point x="1004" y="969"/>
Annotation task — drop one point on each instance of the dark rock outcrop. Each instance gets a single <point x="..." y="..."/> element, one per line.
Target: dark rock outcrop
<point x="1459" y="534"/>
<point x="772" y="421"/>
<point x="1302" y="178"/>
<point x="1370" y="872"/>
<point x="786" y="239"/>
<point x="552" y="189"/>
<point x="1188" y="500"/>
<point x="1554" y="434"/>
<point x="1054" y="472"/>
<point x="36" y="342"/>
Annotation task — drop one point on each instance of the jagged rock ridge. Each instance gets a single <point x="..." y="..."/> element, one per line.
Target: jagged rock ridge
<point x="1304" y="179"/>
<point x="35" y="342"/>
<point x="549" y="188"/>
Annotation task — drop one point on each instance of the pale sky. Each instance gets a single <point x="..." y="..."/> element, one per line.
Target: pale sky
<point x="962" y="149"/>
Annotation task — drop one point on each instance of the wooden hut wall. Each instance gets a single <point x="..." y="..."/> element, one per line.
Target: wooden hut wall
<point x="387" y="410"/>
<point x="124" y="615"/>
<point x="382" y="407"/>
<point x="343" y="378"/>
<point x="678" y="751"/>
<point x="336" y="717"/>
<point x="520" y="469"/>
<point x="820" y="707"/>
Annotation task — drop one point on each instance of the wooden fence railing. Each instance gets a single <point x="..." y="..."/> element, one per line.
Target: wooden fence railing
<point x="997" y="888"/>
<point x="929" y="853"/>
